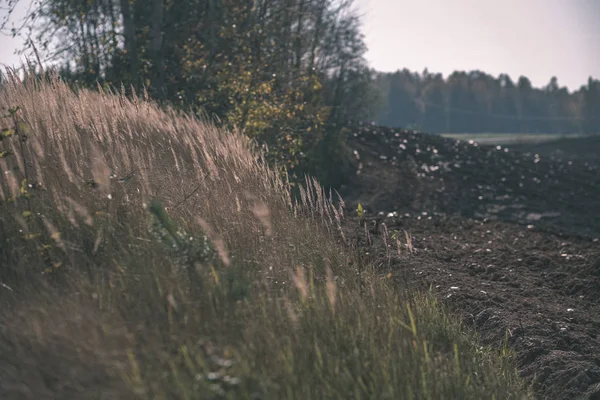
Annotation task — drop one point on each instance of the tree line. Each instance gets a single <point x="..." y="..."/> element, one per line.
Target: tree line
<point x="290" y="74"/>
<point x="478" y="102"/>
<point x="285" y="72"/>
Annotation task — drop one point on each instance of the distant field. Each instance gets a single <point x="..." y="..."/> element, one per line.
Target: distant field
<point x="510" y="138"/>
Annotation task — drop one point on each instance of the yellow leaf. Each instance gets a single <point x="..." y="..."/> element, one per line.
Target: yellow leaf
<point x="360" y="211"/>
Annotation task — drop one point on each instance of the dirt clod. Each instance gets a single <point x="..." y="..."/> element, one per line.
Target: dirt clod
<point x="515" y="231"/>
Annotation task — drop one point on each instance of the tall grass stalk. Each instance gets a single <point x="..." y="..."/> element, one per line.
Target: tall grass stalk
<point x="152" y="255"/>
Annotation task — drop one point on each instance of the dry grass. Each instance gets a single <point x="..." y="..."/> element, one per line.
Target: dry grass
<point x="146" y="254"/>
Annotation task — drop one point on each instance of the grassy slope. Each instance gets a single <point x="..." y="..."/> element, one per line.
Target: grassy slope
<point x="145" y="254"/>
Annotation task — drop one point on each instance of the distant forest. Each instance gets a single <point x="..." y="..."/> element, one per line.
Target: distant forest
<point x="478" y="102"/>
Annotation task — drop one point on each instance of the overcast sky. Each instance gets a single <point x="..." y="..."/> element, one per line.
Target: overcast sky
<point x="535" y="38"/>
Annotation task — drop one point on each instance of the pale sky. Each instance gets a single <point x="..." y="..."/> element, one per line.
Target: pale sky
<point x="534" y="38"/>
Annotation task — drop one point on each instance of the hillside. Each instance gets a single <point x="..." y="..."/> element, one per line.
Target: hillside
<point x="508" y="237"/>
<point x="147" y="254"/>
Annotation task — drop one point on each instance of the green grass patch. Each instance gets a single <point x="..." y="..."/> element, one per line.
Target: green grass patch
<point x="511" y="138"/>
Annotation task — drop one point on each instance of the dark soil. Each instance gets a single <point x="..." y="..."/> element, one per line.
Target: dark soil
<point x="509" y="238"/>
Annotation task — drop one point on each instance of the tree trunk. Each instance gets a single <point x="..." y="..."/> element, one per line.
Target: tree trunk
<point x="130" y="45"/>
<point x="298" y="39"/>
<point x="155" y="49"/>
<point x="316" y="37"/>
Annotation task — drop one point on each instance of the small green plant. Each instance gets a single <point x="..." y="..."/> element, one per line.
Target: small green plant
<point x="187" y="249"/>
<point x="360" y="212"/>
<point x="41" y="239"/>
